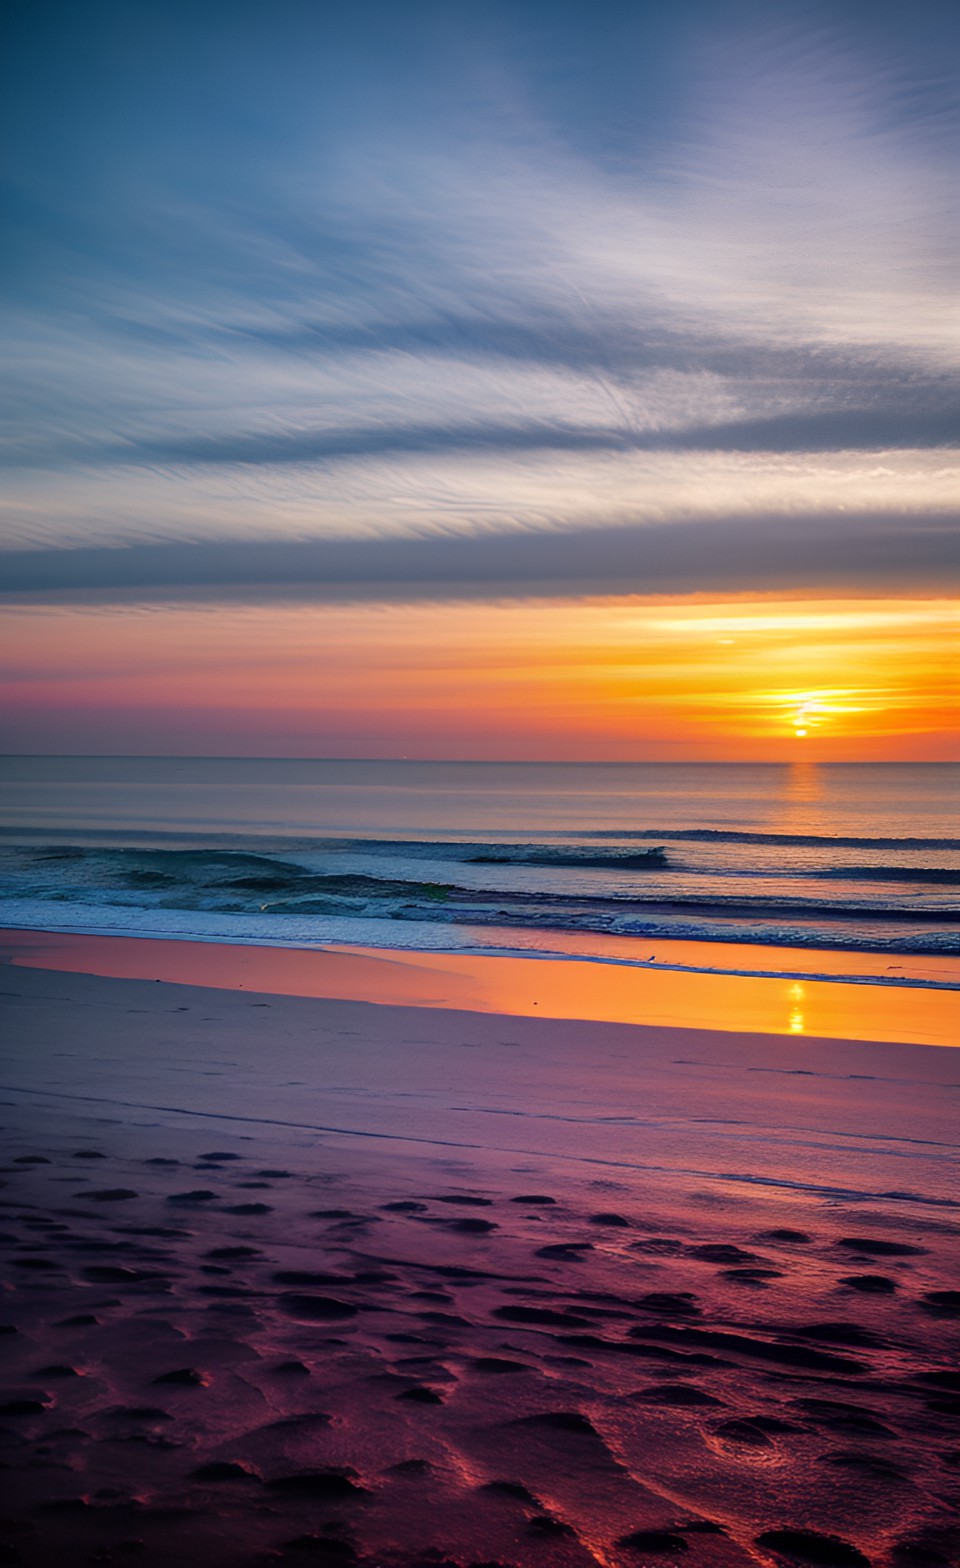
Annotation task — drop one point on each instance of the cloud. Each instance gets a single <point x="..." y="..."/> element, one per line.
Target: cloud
<point x="835" y="430"/>
<point x="237" y="321"/>
<point x="842" y="553"/>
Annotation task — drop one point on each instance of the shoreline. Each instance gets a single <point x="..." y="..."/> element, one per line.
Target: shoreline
<point x="595" y="988"/>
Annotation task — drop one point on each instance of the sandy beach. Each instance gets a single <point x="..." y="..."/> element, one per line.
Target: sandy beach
<point x="296" y="1278"/>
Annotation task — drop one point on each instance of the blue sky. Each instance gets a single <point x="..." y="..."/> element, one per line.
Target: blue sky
<point x="590" y="289"/>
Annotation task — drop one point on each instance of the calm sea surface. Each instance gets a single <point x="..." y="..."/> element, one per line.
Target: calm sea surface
<point x="484" y="856"/>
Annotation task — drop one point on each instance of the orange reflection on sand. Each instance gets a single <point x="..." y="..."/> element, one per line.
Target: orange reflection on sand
<point x="797" y="1020"/>
<point x="525" y="987"/>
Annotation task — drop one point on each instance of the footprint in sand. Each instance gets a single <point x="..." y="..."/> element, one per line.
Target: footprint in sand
<point x="540" y="1315"/>
<point x="466" y="1201"/>
<point x="223" y="1470"/>
<point x="317" y="1485"/>
<point x="109" y="1195"/>
<point x="565" y="1251"/>
<point x="879" y="1248"/>
<point x="511" y="1489"/>
<point x="666" y="1541"/>
<point x="498" y="1366"/>
<point x="671" y="1303"/>
<point x="182" y="1377"/>
<point x="421" y="1395"/>
<point x="941" y="1303"/>
<point x="869" y="1284"/>
<point x="27" y="1407"/>
<point x="315" y="1309"/>
<point x="808" y="1547"/>
<point x="573" y="1421"/>
<point x="547" y="1525"/>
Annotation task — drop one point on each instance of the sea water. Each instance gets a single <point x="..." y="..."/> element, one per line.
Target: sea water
<point x="505" y="857"/>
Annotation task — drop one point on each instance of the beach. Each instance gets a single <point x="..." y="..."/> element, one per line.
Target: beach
<point x="394" y="1277"/>
<point x="479" y="850"/>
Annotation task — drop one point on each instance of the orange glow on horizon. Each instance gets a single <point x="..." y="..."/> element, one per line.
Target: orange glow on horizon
<point x="628" y="679"/>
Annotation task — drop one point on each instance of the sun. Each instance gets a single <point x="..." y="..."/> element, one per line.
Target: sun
<point x="808" y="712"/>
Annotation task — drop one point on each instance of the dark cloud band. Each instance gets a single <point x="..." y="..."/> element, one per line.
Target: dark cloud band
<point x="841" y="552"/>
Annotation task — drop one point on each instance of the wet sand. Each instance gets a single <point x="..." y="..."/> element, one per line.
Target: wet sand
<point x="296" y="1279"/>
<point x="675" y="990"/>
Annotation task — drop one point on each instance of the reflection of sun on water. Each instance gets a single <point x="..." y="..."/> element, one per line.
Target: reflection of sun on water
<point x="803" y="783"/>
<point x="796" y="1020"/>
<point x="803" y="788"/>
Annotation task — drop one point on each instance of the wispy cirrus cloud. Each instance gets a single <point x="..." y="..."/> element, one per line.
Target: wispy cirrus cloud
<point x="377" y="307"/>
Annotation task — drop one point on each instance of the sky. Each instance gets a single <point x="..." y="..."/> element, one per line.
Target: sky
<point x="499" y="380"/>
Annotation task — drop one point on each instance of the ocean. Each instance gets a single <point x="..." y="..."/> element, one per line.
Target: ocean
<point x="599" y="860"/>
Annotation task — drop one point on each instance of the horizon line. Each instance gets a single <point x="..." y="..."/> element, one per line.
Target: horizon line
<point x="492" y="762"/>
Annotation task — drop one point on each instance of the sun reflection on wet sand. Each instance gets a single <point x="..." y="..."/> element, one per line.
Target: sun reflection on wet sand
<point x="796" y="994"/>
